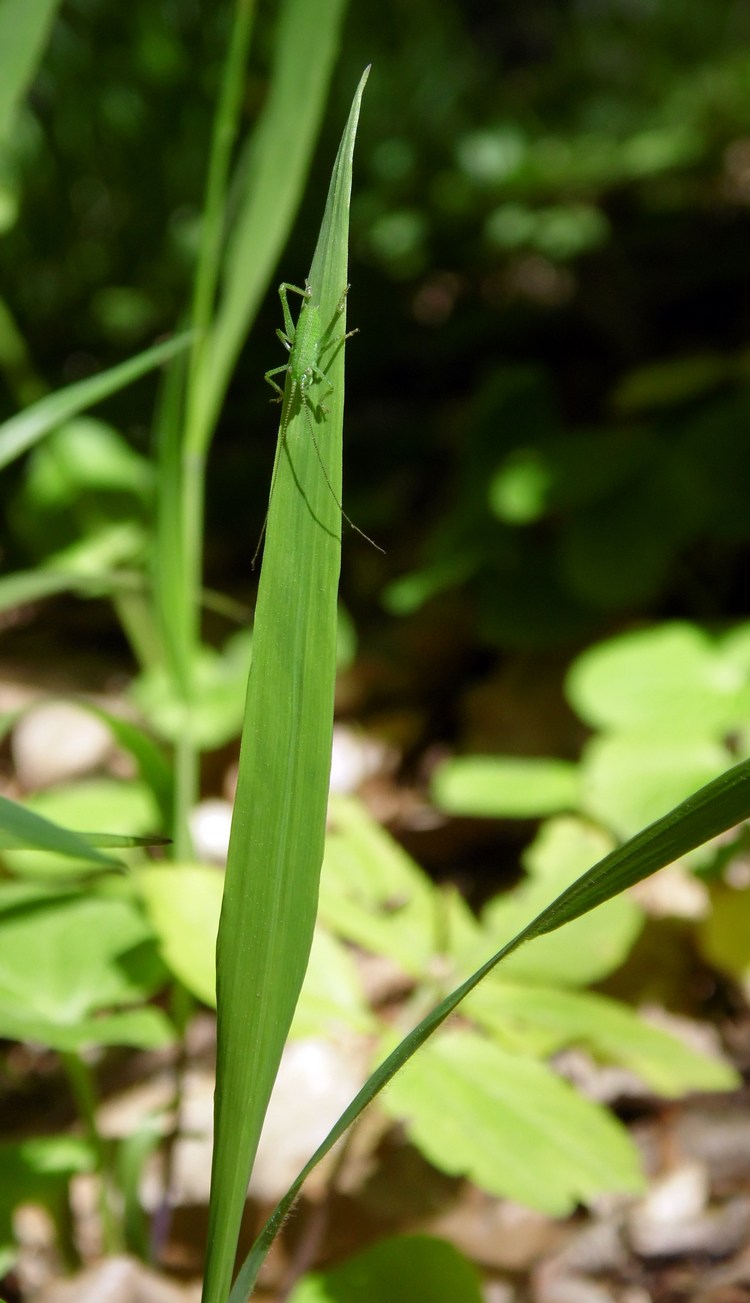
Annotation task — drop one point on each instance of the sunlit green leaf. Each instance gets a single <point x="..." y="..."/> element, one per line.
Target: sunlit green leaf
<point x="373" y="894"/>
<point x="510" y="1125"/>
<point x="608" y="1029"/>
<point x="629" y="780"/>
<point x="670" y="679"/>
<point x="510" y="787"/>
<point x="183" y="902"/>
<point x="65" y="959"/>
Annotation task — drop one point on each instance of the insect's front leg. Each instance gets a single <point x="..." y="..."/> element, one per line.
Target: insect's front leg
<point x="289" y="328"/>
<point x="268" y="377"/>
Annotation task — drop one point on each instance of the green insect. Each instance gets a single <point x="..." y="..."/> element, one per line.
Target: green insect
<point x="307" y="343"/>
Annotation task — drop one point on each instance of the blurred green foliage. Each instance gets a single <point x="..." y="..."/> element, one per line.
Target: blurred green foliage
<point x="549" y="272"/>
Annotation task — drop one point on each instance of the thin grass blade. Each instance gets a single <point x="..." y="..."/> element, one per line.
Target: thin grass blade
<point x="26" y="428"/>
<point x="278" y="828"/>
<point x="20" y="827"/>
<point x="720" y="805"/>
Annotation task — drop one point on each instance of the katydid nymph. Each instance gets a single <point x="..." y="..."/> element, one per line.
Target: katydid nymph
<point x="307" y="343"/>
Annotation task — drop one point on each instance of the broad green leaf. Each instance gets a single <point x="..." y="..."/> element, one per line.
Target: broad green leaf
<point x="65" y="959"/>
<point x="21" y="432"/>
<point x="628" y="780"/>
<point x="715" y="808"/>
<point x="373" y="894"/>
<point x="331" y="998"/>
<point x="23" y="827"/>
<point x="506" y="787"/>
<point x="607" y="1028"/>
<point x="405" y="1269"/>
<point x="183" y="902"/>
<point x="106" y="804"/>
<point x="278" y="828"/>
<point x="24" y="28"/>
<point x="564" y="848"/>
<point x="583" y="952"/>
<point x="588" y="949"/>
<point x="510" y="1125"/>
<point x="669" y="680"/>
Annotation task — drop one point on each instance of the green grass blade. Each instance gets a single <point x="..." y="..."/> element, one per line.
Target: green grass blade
<point x="24" y="28"/>
<point x="214" y="206"/>
<point x="712" y="810"/>
<point x="268" y="192"/>
<point x="26" y="428"/>
<point x="20" y="827"/>
<point x="278" y="829"/>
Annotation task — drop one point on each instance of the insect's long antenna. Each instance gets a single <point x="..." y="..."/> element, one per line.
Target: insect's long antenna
<point x="261" y="537"/>
<point x="349" y="521"/>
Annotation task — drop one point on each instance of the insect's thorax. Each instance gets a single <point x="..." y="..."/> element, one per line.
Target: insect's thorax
<point x="306" y="342"/>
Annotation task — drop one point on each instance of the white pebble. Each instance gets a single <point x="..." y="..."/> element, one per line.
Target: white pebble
<point x="56" y="741"/>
